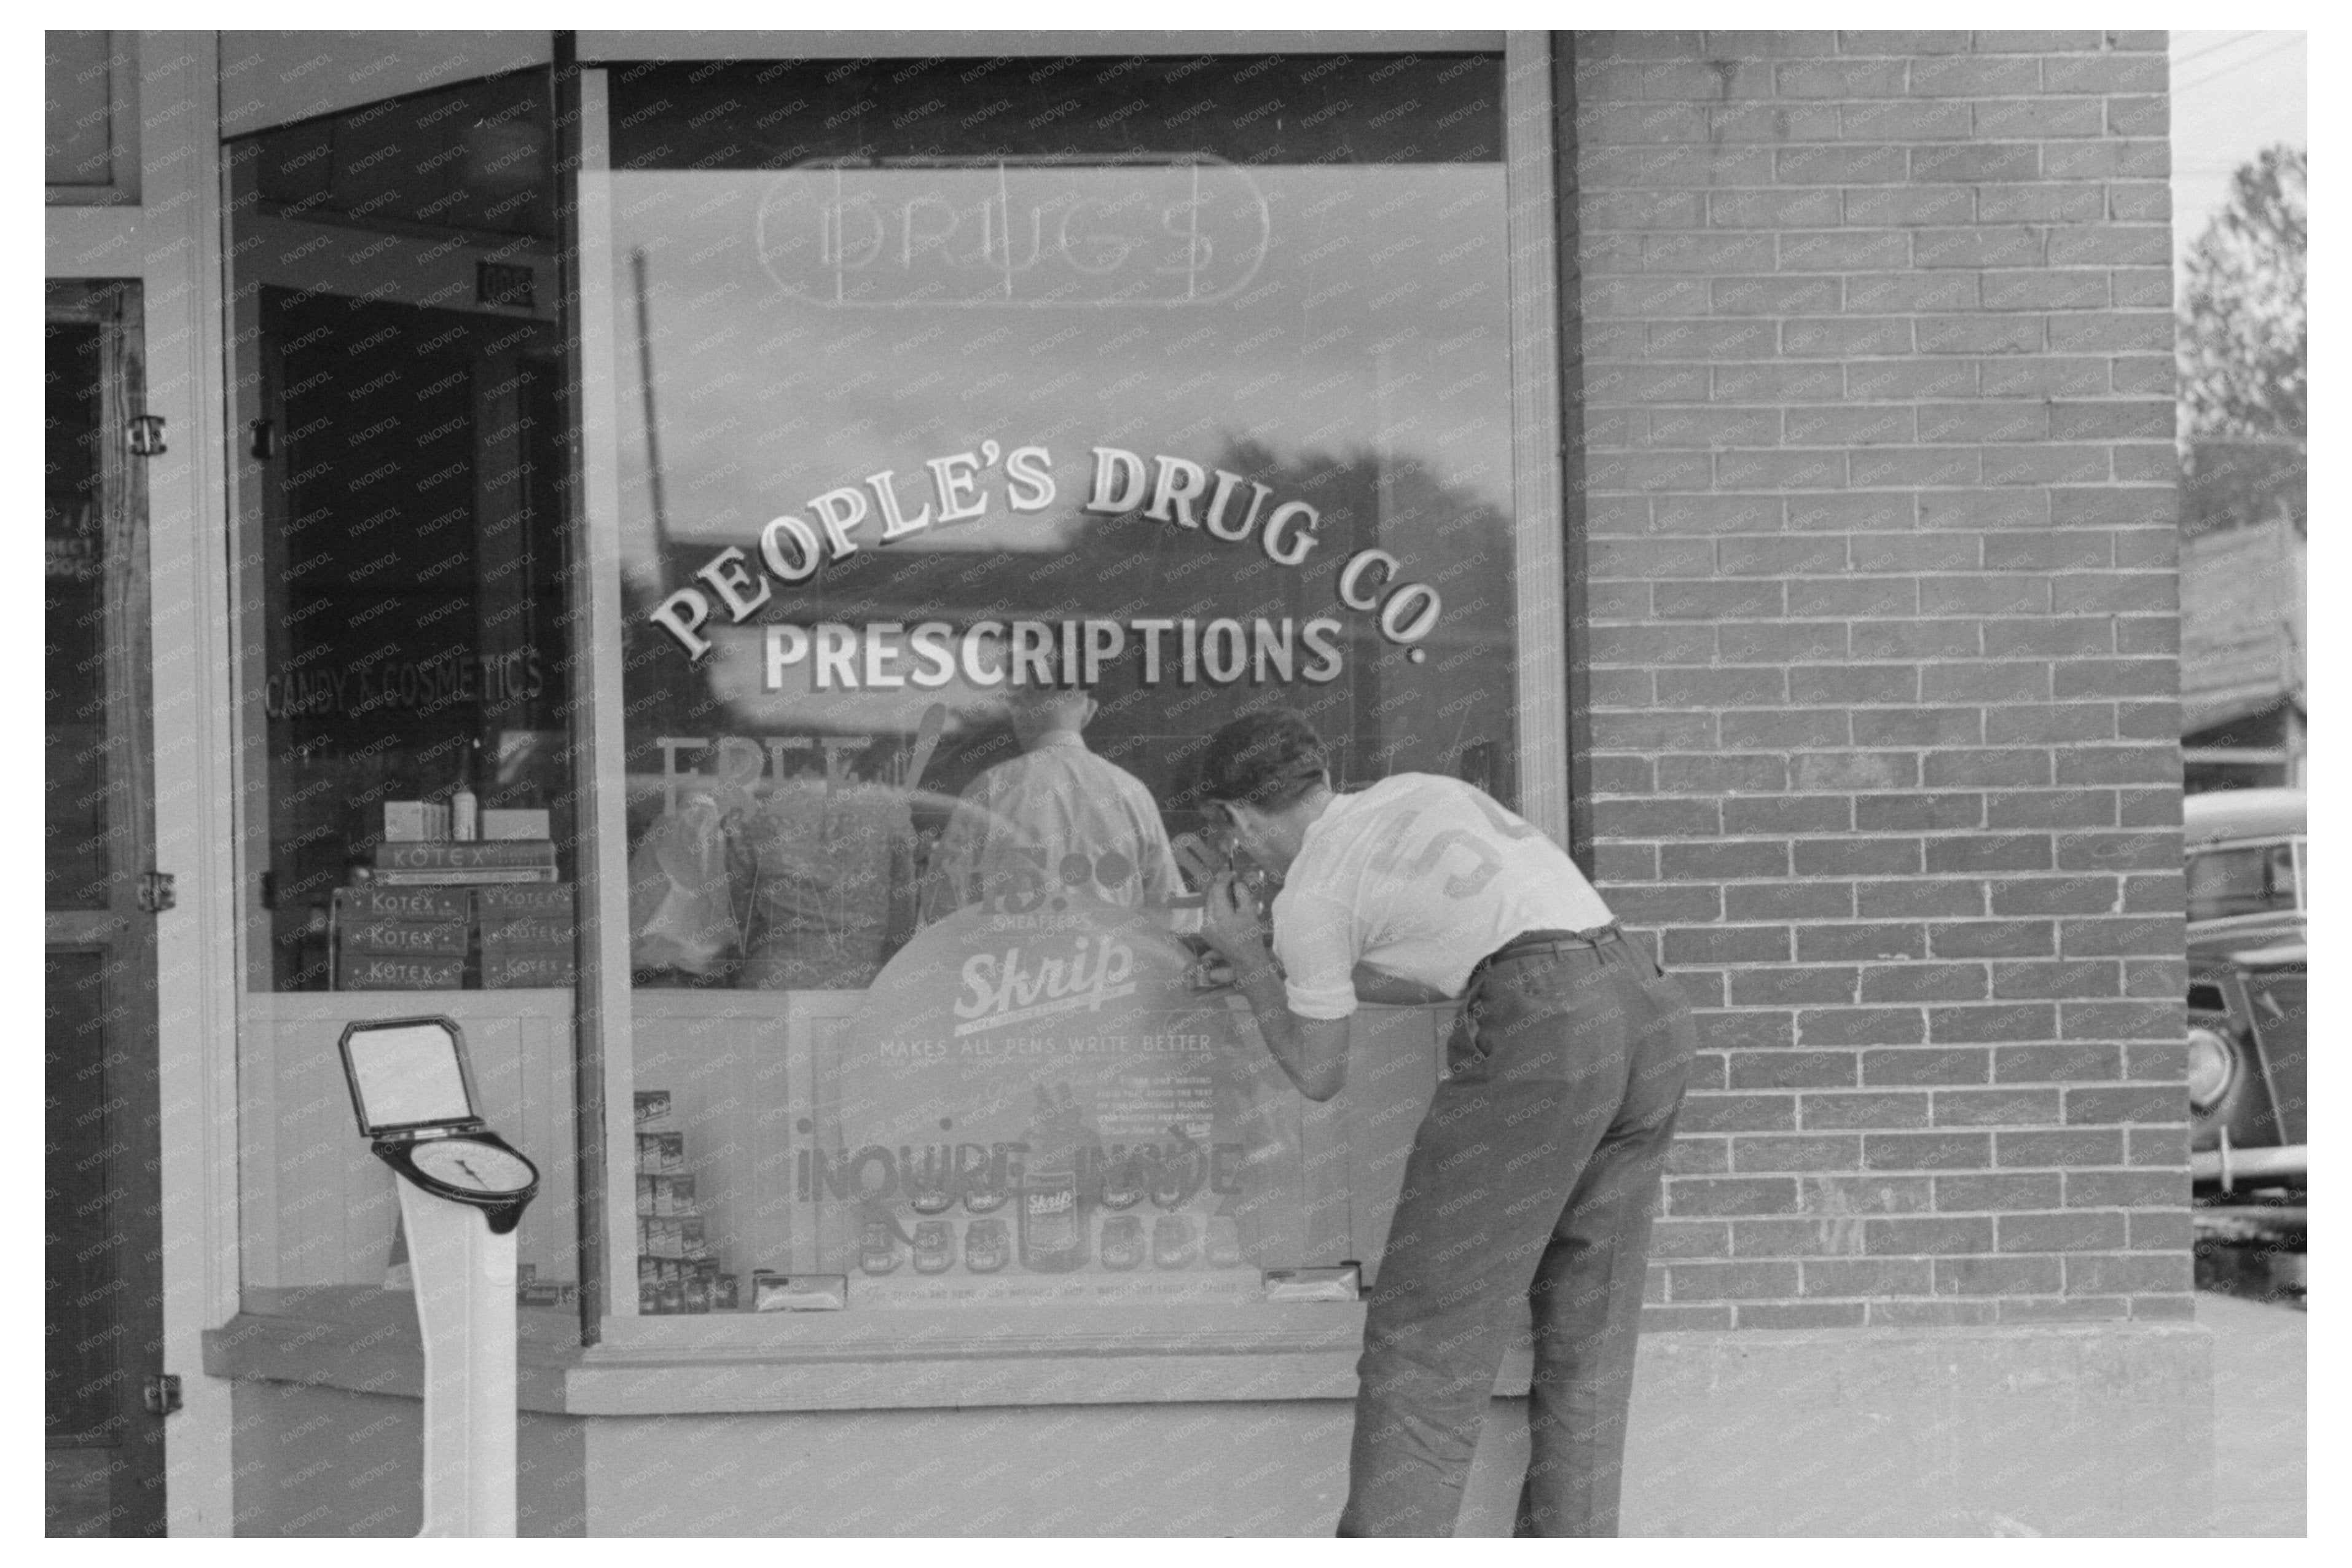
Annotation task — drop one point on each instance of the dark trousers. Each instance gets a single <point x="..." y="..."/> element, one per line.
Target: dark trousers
<point x="1530" y="1185"/>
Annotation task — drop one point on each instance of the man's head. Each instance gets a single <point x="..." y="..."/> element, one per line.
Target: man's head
<point x="1269" y="776"/>
<point x="1041" y="711"/>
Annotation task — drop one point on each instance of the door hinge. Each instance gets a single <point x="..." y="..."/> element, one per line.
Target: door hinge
<point x="147" y="436"/>
<point x="161" y="1391"/>
<point x="156" y="892"/>
<point x="265" y="439"/>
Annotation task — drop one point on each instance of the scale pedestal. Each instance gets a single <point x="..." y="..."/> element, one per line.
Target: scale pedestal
<point x="465" y="1284"/>
<point x="462" y="1189"/>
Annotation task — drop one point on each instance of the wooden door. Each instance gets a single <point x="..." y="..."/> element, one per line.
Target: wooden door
<point x="104" y="1325"/>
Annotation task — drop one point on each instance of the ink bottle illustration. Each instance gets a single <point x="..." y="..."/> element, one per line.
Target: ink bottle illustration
<point x="1054" y="1238"/>
<point x="934" y="1246"/>
<point x="928" y="1188"/>
<point x="984" y="1245"/>
<point x="1122" y="1185"/>
<point x="1174" y="1244"/>
<point x="878" y="1250"/>
<point x="1122" y="1241"/>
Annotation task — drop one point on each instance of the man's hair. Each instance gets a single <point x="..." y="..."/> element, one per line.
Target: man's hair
<point x="1270" y="759"/>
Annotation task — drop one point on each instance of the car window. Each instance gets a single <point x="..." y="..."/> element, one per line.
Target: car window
<point x="2246" y="880"/>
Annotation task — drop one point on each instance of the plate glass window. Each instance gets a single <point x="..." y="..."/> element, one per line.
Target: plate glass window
<point x="986" y="432"/>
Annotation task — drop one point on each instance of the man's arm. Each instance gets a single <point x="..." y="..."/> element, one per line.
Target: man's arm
<point x="1311" y="1052"/>
<point x="1372" y="985"/>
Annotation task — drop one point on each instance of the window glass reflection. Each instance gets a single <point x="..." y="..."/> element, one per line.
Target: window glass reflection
<point x="989" y="433"/>
<point x="1190" y="377"/>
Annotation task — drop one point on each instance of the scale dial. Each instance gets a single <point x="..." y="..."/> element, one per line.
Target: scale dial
<point x="474" y="1167"/>
<point x="487" y="1170"/>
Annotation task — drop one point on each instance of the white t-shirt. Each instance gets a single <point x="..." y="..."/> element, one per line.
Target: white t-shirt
<point x="1418" y="876"/>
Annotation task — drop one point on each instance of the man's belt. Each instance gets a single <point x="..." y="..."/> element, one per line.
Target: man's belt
<point x="1532" y="943"/>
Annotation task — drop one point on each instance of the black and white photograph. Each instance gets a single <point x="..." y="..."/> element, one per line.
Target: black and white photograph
<point x="993" y="778"/>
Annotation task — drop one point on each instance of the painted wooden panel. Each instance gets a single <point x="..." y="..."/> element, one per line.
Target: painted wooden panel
<point x="317" y="1206"/>
<point x="748" y="1083"/>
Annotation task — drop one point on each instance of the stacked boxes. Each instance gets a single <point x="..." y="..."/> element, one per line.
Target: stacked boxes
<point x="400" y="939"/>
<point x="437" y="937"/>
<point x="677" y="1269"/>
<point x="527" y="936"/>
<point x="531" y="1291"/>
<point x="506" y="862"/>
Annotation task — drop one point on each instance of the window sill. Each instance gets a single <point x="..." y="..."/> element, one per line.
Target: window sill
<point x="906" y="1358"/>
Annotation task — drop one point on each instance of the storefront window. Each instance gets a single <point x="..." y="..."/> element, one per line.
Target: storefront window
<point x="403" y="562"/>
<point x="987" y="432"/>
<point x="405" y="444"/>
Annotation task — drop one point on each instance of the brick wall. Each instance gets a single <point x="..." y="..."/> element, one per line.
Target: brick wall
<point x="1882" y="660"/>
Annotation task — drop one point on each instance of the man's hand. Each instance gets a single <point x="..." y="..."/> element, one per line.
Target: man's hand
<point x="1229" y="923"/>
<point x="1312" y="1052"/>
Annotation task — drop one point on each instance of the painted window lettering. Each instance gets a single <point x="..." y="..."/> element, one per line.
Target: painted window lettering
<point x="1170" y="490"/>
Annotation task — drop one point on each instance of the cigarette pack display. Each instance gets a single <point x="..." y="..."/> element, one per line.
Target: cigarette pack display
<point x="661" y="1154"/>
<point x="512" y="822"/>
<point x="518" y="970"/>
<point x="384" y="972"/>
<point x="410" y="937"/>
<point x="377" y="901"/>
<point x="798" y="1293"/>
<point x="670" y="1197"/>
<point x="708" y="1290"/>
<point x="652" y="1108"/>
<point x="659" y="1237"/>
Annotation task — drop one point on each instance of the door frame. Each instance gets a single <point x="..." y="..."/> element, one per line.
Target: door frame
<point x="170" y="243"/>
<point x="119" y="932"/>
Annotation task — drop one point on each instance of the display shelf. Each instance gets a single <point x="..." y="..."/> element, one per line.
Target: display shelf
<point x="738" y="1363"/>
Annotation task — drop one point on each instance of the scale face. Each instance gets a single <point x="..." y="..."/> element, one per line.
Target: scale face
<point x="412" y="1091"/>
<point x="473" y="1165"/>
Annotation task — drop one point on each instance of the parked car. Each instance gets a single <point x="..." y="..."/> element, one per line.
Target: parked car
<point x="2248" y="979"/>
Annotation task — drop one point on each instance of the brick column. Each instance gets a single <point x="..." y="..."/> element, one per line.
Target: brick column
<point x="1882" y="652"/>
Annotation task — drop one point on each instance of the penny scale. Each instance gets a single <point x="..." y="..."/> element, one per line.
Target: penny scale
<point x="462" y="1191"/>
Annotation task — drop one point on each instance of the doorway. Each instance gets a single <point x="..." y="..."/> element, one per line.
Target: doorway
<point x="105" y="1396"/>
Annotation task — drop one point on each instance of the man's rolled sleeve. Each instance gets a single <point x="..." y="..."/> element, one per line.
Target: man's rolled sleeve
<point x="1315" y="939"/>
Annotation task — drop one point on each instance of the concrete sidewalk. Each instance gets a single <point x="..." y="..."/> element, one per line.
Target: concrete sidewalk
<point x="2259" y="1480"/>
